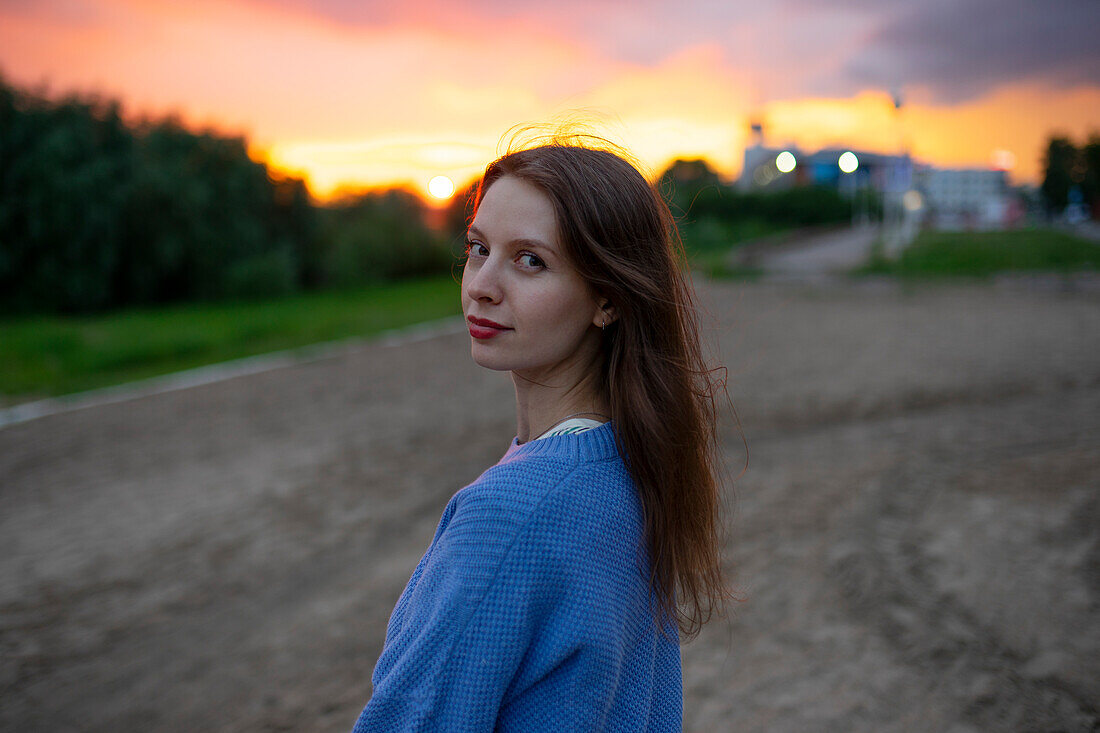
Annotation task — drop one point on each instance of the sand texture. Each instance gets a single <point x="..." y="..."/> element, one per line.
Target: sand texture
<point x="916" y="534"/>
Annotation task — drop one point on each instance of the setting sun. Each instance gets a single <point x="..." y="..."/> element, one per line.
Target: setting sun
<point x="441" y="187"/>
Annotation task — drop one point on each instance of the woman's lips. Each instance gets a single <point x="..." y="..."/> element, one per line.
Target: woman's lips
<point x="483" y="328"/>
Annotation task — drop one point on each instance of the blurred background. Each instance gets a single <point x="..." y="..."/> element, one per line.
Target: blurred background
<point x="235" y="394"/>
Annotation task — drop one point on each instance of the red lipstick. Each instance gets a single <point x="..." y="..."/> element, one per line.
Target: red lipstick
<point x="483" y="328"/>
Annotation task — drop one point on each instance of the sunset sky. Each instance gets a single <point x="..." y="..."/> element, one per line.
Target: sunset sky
<point x="351" y="93"/>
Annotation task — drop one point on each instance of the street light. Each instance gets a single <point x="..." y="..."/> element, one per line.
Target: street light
<point x="785" y="161"/>
<point x="912" y="200"/>
<point x="848" y="162"/>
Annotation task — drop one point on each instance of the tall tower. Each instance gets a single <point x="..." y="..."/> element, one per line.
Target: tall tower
<point x="754" y="153"/>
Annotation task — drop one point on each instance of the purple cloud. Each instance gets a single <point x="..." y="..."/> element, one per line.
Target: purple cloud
<point x="959" y="49"/>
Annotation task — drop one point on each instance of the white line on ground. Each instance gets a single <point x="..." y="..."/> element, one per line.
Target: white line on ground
<point x="225" y="370"/>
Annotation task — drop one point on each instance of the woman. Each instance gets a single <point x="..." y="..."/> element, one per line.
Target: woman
<point x="551" y="595"/>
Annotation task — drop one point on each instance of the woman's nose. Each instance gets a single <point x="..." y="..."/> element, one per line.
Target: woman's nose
<point x="482" y="281"/>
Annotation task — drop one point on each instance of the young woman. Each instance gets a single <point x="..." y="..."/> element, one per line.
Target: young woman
<point x="552" y="594"/>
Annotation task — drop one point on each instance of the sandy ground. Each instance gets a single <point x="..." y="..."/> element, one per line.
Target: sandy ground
<point x="916" y="534"/>
<point x="829" y="250"/>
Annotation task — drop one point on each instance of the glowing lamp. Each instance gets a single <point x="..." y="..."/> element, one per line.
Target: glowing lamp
<point x="785" y="161"/>
<point x="848" y="162"/>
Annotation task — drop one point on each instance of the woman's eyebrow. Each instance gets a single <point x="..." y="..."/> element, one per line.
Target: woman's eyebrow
<point x="522" y="241"/>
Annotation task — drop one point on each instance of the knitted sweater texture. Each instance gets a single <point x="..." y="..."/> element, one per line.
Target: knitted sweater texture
<point x="531" y="609"/>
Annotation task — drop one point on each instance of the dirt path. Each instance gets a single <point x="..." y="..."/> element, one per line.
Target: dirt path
<point x="832" y="251"/>
<point x="916" y="533"/>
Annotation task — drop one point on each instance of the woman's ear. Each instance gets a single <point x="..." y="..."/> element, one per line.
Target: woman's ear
<point x="606" y="314"/>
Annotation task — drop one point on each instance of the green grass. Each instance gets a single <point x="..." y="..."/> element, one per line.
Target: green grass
<point x="980" y="254"/>
<point x="709" y="242"/>
<point x="53" y="355"/>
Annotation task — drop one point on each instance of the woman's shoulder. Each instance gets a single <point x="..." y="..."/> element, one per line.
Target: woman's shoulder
<point x="584" y="469"/>
<point x="538" y="496"/>
<point x="512" y="490"/>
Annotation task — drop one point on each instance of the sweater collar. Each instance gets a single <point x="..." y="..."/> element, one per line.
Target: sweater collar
<point x="597" y="444"/>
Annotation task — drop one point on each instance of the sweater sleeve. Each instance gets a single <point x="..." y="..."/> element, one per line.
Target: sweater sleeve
<point x="514" y="591"/>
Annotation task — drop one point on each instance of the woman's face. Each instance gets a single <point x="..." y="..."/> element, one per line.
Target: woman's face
<point x="528" y="310"/>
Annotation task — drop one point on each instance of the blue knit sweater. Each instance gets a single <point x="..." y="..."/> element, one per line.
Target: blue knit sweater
<point x="531" y="609"/>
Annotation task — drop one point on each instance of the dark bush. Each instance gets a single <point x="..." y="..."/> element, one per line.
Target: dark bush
<point x="95" y="214"/>
<point x="378" y="237"/>
<point x="264" y="275"/>
<point x="65" y="173"/>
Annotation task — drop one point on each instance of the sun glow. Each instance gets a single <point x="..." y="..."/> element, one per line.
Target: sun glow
<point x="441" y="187"/>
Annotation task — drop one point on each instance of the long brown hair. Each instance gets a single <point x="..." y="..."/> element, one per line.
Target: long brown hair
<point x="618" y="233"/>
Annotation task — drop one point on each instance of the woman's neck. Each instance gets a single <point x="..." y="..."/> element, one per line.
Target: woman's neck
<point x="541" y="405"/>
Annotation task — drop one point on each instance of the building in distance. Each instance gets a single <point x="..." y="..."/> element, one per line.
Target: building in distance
<point x="942" y="198"/>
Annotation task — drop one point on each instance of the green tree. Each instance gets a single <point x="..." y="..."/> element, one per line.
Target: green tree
<point x="1059" y="161"/>
<point x="1090" y="183"/>
<point x="96" y="214"/>
<point x="294" y="218"/>
<point x="380" y="236"/>
<point x="207" y="222"/>
<point x="683" y="181"/>
<point x="460" y="210"/>
<point x="65" y="171"/>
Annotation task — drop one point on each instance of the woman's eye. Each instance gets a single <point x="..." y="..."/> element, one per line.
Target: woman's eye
<point x="476" y="249"/>
<point x="529" y="260"/>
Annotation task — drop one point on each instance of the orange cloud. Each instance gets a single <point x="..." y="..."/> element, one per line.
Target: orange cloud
<point x="687" y="107"/>
<point x="377" y="104"/>
<point x="1018" y="119"/>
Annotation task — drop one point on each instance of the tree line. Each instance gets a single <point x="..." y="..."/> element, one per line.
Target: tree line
<point x="1072" y="175"/>
<point x="97" y="213"/>
<point x="713" y="216"/>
